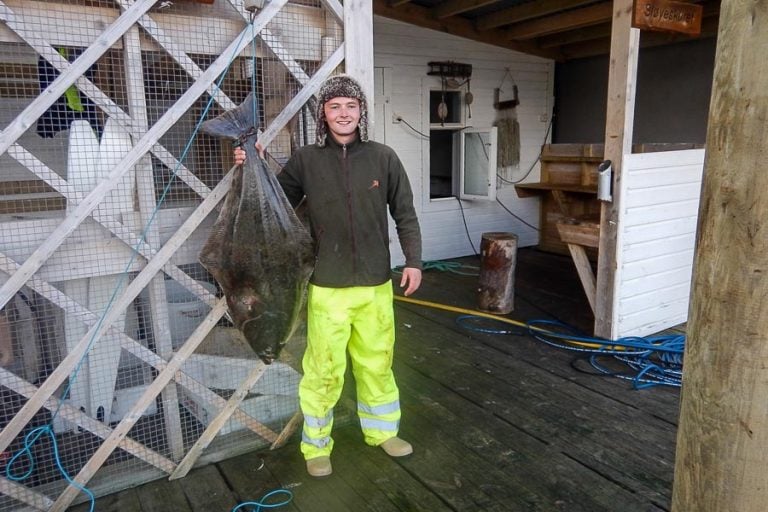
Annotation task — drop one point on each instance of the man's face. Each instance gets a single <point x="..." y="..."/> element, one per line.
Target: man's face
<point x="342" y="116"/>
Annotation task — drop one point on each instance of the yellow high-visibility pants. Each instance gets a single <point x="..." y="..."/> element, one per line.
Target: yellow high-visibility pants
<point x="360" y="320"/>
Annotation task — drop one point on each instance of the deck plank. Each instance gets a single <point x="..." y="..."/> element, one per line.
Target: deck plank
<point x="206" y="490"/>
<point x="250" y="479"/>
<point x="162" y="496"/>
<point x="541" y="476"/>
<point x="586" y="425"/>
<point x="123" y="501"/>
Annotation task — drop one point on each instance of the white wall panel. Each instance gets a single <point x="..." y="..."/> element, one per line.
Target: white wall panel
<point x="403" y="51"/>
<point x="657" y="233"/>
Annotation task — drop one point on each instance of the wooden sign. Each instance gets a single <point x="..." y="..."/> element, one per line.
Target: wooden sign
<point x="667" y="16"/>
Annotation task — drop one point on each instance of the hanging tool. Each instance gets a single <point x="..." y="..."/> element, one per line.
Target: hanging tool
<point x="442" y="108"/>
<point x="468" y="99"/>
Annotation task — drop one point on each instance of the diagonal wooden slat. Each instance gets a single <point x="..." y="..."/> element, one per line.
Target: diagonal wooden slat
<point x="111" y="34"/>
<point x="122" y="232"/>
<point x="122" y="429"/>
<point x="62" y="371"/>
<point x="25" y="495"/>
<point x="92" y="425"/>
<point x="75" y="310"/>
<point x="186" y="63"/>
<point x="218" y="422"/>
<point x="274" y="44"/>
<point x="303" y="95"/>
<point x="104" y="102"/>
<point x="91" y="201"/>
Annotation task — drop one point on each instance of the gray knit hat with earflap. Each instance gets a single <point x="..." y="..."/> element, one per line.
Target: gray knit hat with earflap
<point x="340" y="86"/>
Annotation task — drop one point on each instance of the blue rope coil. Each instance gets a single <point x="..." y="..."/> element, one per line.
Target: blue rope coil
<point x="263" y="503"/>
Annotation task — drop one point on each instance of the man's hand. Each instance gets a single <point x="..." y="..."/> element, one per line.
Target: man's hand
<point x="239" y="156"/>
<point x="411" y="280"/>
<point x="240" y="153"/>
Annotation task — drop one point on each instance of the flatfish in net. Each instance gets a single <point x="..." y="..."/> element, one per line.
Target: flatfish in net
<point x="258" y="251"/>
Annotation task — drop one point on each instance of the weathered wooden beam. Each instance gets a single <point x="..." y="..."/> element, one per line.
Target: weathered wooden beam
<point x="569" y="20"/>
<point x="723" y="431"/>
<point x="145" y="191"/>
<point x="457" y="26"/>
<point x="602" y="46"/>
<point x="527" y="11"/>
<point x="602" y="31"/>
<point x="620" y="114"/>
<point x="358" y="57"/>
<point x="454" y="7"/>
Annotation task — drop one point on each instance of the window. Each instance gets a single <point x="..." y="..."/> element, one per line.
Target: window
<point x="462" y="160"/>
<point x="477" y="159"/>
<point x="443" y="128"/>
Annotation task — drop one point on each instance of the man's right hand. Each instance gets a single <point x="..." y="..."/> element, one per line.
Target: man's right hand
<point x="239" y="156"/>
<point x="239" y="153"/>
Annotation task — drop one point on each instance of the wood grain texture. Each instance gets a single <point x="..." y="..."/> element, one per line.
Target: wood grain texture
<point x="721" y="455"/>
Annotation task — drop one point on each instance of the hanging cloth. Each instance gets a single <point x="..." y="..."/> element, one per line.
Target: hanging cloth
<point x="508" y="128"/>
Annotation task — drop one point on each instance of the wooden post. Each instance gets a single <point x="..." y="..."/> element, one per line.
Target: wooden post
<point x="498" y="256"/>
<point x="723" y="433"/>
<point x="358" y="60"/>
<point x="134" y="78"/>
<point x="622" y="75"/>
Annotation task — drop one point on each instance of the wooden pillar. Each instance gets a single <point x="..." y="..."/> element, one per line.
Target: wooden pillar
<point x="722" y="441"/>
<point x="134" y="79"/>
<point x="358" y="59"/>
<point x="622" y="75"/>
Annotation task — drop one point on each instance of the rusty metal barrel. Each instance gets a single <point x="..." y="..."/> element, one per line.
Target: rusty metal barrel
<point x="498" y="256"/>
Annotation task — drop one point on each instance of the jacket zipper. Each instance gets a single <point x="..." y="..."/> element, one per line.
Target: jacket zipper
<point x="345" y="166"/>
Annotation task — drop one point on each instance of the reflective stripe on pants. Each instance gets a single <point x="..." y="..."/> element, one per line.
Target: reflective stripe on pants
<point x="360" y="320"/>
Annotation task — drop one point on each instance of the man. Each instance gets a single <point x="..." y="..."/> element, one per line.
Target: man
<point x="350" y="182"/>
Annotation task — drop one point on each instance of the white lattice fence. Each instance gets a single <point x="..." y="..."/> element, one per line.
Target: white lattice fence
<point x="112" y="337"/>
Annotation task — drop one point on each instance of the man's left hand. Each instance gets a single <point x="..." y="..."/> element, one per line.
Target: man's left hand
<point x="411" y="280"/>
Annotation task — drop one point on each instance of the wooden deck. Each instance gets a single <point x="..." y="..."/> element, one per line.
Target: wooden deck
<point x="498" y="423"/>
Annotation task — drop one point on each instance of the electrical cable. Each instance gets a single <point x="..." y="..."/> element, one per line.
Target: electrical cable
<point x="466" y="228"/>
<point x="515" y="216"/>
<point x="412" y="128"/>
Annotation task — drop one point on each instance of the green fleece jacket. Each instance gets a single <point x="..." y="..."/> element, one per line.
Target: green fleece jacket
<point x="348" y="189"/>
